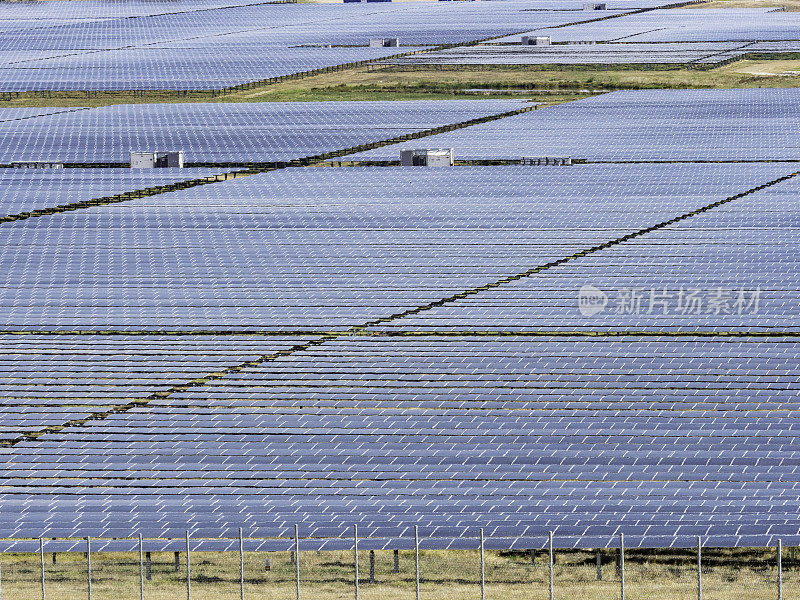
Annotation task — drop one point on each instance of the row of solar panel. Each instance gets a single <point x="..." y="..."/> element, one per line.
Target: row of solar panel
<point x="681" y="25"/>
<point x="156" y="69"/>
<point x="348" y="246"/>
<point x="28" y="190"/>
<point x="468" y="541"/>
<point x="653" y="53"/>
<point x="432" y="423"/>
<point x="730" y="266"/>
<point x="669" y="125"/>
<point x="754" y="124"/>
<point x="212" y="49"/>
<point x="295" y="24"/>
<point x="210" y="132"/>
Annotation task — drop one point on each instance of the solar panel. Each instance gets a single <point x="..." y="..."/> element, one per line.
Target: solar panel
<point x="663" y="125"/>
<point x="345" y="246"/>
<point x="727" y="269"/>
<point x="228" y="132"/>
<point x="659" y="436"/>
<point x="29" y="189"/>
<point x="609" y="53"/>
<point x="681" y="25"/>
<point x="202" y="46"/>
<point x="472" y="440"/>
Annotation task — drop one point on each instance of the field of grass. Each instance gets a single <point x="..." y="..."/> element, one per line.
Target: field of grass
<point x="727" y="575"/>
<point x="534" y="83"/>
<point x="789" y="5"/>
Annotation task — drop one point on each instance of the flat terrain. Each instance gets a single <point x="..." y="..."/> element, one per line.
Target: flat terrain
<point x="444" y="575"/>
<point x="789" y="5"/>
<point x="541" y="84"/>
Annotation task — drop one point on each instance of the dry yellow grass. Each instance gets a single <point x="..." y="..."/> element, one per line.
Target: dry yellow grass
<point x="541" y="84"/>
<point x="446" y="575"/>
<point x="771" y="68"/>
<point x="789" y="5"/>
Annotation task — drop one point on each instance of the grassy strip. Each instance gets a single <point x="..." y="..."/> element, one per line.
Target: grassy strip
<point x="788" y="5"/>
<point x="735" y="574"/>
<point x="535" y="82"/>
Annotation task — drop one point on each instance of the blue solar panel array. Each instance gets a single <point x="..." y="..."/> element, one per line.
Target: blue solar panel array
<point x="154" y="68"/>
<point x="344" y="246"/>
<point x="726" y="269"/>
<point x="700" y="38"/>
<point x="737" y="124"/>
<point x="226" y="132"/>
<point x="683" y="25"/>
<point x="610" y="53"/>
<point x="20" y="113"/>
<point x="661" y="437"/>
<point x="200" y="46"/>
<point x="24" y="190"/>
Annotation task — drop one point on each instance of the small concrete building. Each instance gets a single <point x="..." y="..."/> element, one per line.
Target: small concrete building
<point x="535" y="40"/>
<point x="156" y="160"/>
<point x="432" y="157"/>
<point x="594" y="6"/>
<point x="384" y="42"/>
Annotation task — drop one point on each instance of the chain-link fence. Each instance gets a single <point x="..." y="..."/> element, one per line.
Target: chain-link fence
<point x="473" y="571"/>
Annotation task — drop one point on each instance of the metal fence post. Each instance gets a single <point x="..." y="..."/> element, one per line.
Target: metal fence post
<point x="297" y="559"/>
<point x="241" y="565"/>
<point x="355" y="555"/>
<point x="416" y="558"/>
<point x="372" y="566"/>
<point x="622" y="566"/>
<point x="397" y="561"/>
<point x="780" y="570"/>
<point x="550" y="548"/>
<point x="699" y="569"/>
<point x="483" y="571"/>
<point x="89" y="565"/>
<point x="188" y="570"/>
<point x="141" y="568"/>
<point x="41" y="559"/>
<point x="599" y="560"/>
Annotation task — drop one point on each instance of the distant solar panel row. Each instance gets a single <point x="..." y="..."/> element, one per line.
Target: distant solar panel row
<point x="419" y="22"/>
<point x="683" y="25"/>
<point x="24" y="190"/>
<point x="573" y="54"/>
<point x="91" y="10"/>
<point x="212" y="48"/>
<point x="737" y="124"/>
<point x="192" y="69"/>
<point x="236" y="132"/>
